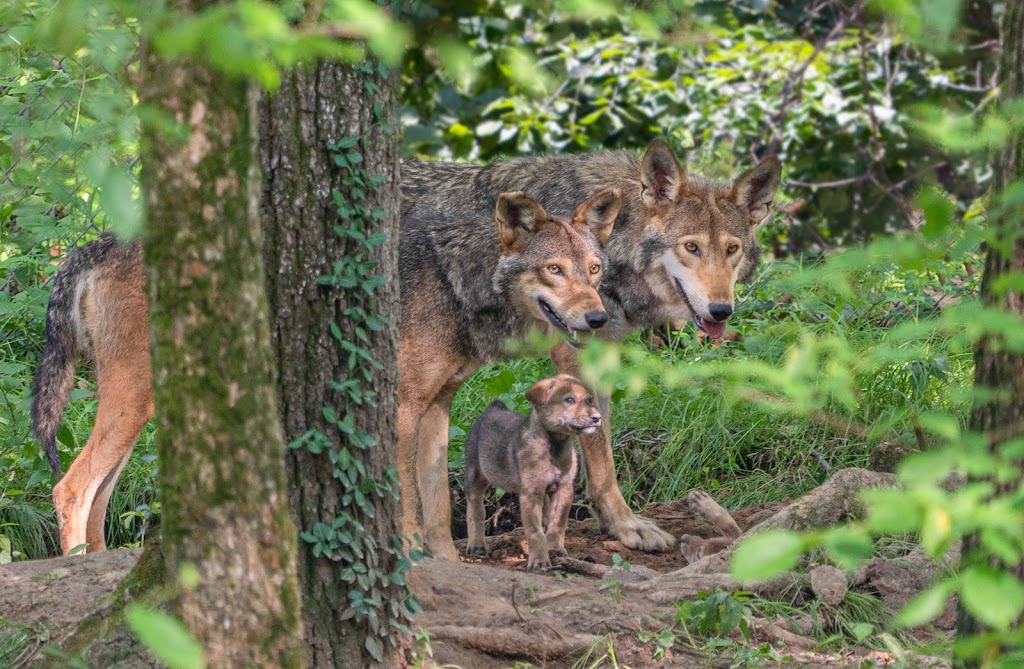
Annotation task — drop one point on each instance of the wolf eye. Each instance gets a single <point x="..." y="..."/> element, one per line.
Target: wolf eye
<point x="692" y="248"/>
<point x="590" y="401"/>
<point x="570" y="400"/>
<point x="732" y="248"/>
<point x="595" y="268"/>
<point x="554" y="269"/>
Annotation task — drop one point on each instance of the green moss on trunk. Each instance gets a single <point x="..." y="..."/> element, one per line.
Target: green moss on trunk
<point x="219" y="436"/>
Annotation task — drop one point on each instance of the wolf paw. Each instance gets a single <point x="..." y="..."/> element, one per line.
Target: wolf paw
<point x="702" y="503"/>
<point x="538" y="565"/>
<point x="477" y="551"/>
<point x="558" y="553"/>
<point x="641" y="534"/>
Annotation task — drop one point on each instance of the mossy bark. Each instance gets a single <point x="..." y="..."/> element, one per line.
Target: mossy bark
<point x="224" y="507"/>
<point x="313" y="107"/>
<point x="999" y="371"/>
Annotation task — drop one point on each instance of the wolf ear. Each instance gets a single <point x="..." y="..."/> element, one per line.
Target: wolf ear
<point x="599" y="212"/>
<point x="518" y="216"/>
<point x="661" y="175"/>
<point x="538" y="394"/>
<point x="755" y="188"/>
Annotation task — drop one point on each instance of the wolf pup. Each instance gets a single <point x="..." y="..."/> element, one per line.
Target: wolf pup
<point x="533" y="455"/>
<point x="693" y="548"/>
<point x="466" y="289"/>
<point x="681" y="243"/>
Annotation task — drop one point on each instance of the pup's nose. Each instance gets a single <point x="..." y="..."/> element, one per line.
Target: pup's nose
<point x="720" y="310"/>
<point x="596" y="420"/>
<point x="596" y="319"/>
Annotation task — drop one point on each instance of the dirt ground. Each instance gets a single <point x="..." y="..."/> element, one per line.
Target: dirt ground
<point x="489" y="613"/>
<point x="585" y="541"/>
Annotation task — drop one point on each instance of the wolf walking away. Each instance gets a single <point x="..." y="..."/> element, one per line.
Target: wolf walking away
<point x="97" y="309"/>
<point x="681" y="242"/>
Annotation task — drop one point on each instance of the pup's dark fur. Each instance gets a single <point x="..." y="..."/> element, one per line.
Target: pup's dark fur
<point x="533" y="455"/>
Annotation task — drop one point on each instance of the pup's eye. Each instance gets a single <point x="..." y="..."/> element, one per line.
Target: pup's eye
<point x="554" y="269"/>
<point x="692" y="248"/>
<point x="595" y="268"/>
<point x="590" y="401"/>
<point x="732" y="248"/>
<point x="570" y="400"/>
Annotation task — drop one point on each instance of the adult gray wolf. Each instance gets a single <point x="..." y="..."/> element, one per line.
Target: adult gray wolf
<point x="534" y="456"/>
<point x="681" y="242"/>
<point x="468" y="285"/>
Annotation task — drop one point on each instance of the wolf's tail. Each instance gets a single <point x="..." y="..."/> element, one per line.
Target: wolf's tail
<point x="56" y="371"/>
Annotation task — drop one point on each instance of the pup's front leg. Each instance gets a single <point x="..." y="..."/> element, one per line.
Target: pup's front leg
<point x="559" y="503"/>
<point x="476" y="487"/>
<point x="558" y="518"/>
<point x="532" y="505"/>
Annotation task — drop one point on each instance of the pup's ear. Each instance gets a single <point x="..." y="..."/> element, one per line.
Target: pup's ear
<point x="518" y="217"/>
<point x="755" y="188"/>
<point x="539" y="393"/>
<point x="661" y="176"/>
<point x="599" y="212"/>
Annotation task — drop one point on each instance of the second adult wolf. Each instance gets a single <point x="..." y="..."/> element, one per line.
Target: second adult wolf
<point x="533" y="455"/>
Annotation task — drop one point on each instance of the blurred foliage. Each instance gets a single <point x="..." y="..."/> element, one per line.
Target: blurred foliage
<point x="830" y="89"/>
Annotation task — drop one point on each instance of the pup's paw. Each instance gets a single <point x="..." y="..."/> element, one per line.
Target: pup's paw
<point x="538" y="564"/>
<point x="558" y="553"/>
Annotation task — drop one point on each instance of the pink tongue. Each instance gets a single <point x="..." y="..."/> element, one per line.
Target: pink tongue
<point x="714" y="329"/>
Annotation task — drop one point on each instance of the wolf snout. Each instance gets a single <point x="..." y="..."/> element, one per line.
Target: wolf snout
<point x="596" y="319"/>
<point x="720" y="310"/>
<point x="596" y="419"/>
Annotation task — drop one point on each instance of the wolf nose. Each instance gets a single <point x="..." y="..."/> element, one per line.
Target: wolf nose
<point x="596" y="319"/>
<point x="720" y="310"/>
<point x="596" y="420"/>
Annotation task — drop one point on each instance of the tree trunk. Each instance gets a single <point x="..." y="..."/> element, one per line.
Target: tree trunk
<point x="222" y="479"/>
<point x="330" y="221"/>
<point x="996" y="369"/>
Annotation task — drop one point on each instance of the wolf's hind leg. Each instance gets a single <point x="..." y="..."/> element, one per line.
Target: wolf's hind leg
<point x="80" y="498"/>
<point x="709" y="509"/>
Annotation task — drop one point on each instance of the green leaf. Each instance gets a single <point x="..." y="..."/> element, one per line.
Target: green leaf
<point x="166" y="637"/>
<point x="993" y="596"/>
<point x="936" y="531"/>
<point x="766" y="554"/>
<point x="938" y="212"/>
<point x="924" y="607"/>
<point x="848" y="546"/>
